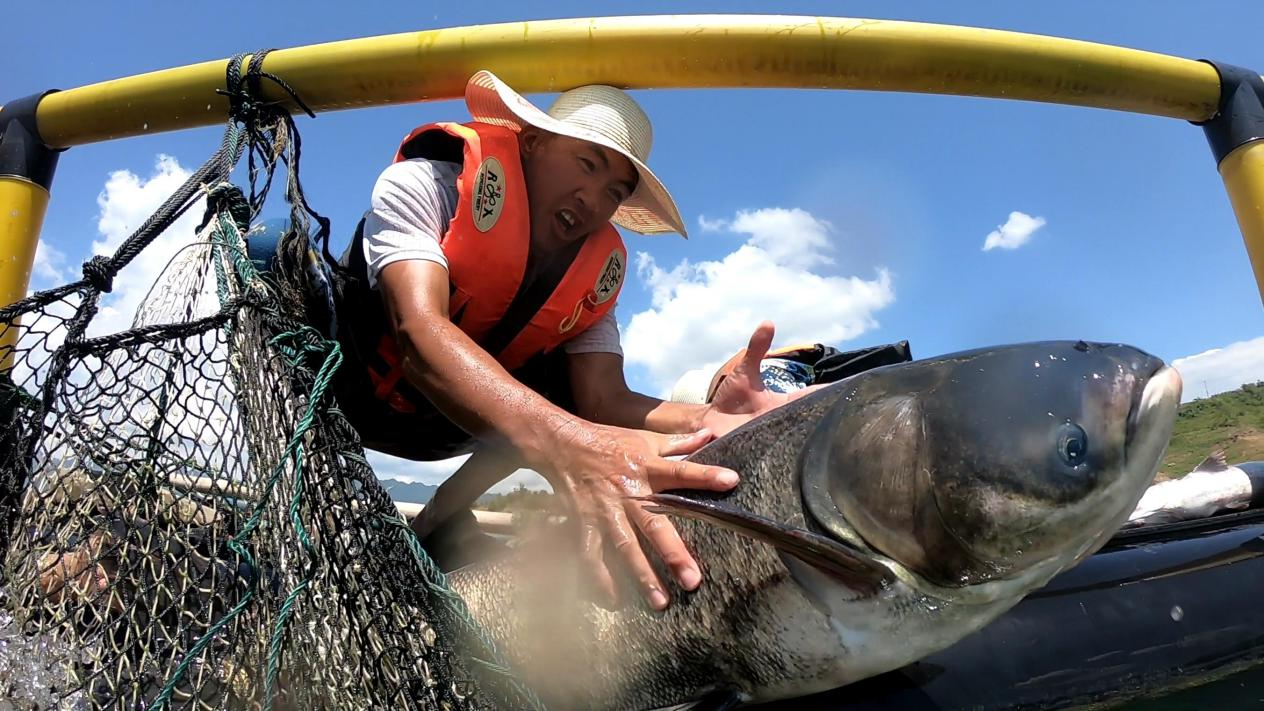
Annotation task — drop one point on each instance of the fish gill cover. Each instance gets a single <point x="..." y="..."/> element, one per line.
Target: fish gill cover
<point x="186" y="520"/>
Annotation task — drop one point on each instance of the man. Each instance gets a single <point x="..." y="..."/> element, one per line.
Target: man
<point x="479" y="316"/>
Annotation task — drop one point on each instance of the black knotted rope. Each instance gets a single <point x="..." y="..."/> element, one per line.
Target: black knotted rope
<point x="99" y="273"/>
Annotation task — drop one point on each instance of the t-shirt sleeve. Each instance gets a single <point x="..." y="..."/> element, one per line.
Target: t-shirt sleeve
<point x="601" y="337"/>
<point x="412" y="204"/>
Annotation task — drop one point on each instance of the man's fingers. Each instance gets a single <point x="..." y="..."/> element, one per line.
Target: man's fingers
<point x="622" y="538"/>
<point x="598" y="574"/>
<point x="757" y="348"/>
<point x="591" y="551"/>
<point x="676" y="444"/>
<point x="667" y="474"/>
<point x="666" y="541"/>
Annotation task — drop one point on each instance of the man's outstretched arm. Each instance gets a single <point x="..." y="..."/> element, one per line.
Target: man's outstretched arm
<point x="596" y="467"/>
<point x="602" y="394"/>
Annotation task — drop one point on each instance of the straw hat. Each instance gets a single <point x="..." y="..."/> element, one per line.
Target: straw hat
<point x="692" y="387"/>
<point x="596" y="113"/>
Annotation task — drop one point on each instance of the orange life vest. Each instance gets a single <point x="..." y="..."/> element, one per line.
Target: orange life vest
<point x="486" y="246"/>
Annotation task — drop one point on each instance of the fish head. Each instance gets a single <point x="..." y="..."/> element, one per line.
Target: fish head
<point x="1003" y="463"/>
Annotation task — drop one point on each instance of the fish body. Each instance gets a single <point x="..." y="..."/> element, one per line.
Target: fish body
<point x="1212" y="487"/>
<point x="878" y="520"/>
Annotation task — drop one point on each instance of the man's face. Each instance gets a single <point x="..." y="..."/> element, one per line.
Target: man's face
<point x="573" y="186"/>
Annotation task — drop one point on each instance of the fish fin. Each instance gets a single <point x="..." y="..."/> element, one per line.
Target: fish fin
<point x="1214" y="462"/>
<point x="819" y="588"/>
<point x="837" y="559"/>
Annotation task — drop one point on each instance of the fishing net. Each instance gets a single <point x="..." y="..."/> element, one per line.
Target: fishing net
<point x="188" y="521"/>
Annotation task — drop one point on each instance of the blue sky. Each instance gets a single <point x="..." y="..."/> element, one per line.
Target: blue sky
<point x="857" y="218"/>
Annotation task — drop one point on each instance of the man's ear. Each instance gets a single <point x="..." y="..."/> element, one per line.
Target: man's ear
<point x="530" y="139"/>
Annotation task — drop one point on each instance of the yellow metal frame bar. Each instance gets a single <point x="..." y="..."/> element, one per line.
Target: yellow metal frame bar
<point x="22" y="207"/>
<point x="665" y="52"/>
<point x="657" y="52"/>
<point x="1243" y="174"/>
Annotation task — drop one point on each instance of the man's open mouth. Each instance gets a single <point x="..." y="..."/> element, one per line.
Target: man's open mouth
<point x="567" y="219"/>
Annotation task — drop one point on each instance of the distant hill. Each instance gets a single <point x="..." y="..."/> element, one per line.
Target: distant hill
<point x="1232" y="420"/>
<point x="408" y="491"/>
<point x="415" y="493"/>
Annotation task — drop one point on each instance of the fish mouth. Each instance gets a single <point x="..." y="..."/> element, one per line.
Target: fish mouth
<point x="1160" y="382"/>
<point x="1162" y="390"/>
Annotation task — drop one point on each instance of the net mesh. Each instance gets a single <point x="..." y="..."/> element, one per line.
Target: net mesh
<point x="188" y="519"/>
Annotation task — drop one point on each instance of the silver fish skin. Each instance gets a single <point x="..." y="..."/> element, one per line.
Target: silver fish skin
<point x="1211" y="487"/>
<point x="878" y="520"/>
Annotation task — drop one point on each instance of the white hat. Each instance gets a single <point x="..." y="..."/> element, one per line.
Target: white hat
<point x="596" y="113"/>
<point x="692" y="387"/>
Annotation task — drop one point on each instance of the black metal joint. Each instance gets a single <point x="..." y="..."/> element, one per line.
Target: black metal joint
<point x="1239" y="118"/>
<point x="23" y="153"/>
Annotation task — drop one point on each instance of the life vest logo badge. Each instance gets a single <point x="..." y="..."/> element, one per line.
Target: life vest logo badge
<point x="489" y="194"/>
<point x="611" y="277"/>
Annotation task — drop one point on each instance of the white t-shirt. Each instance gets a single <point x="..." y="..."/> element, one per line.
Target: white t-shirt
<point x="413" y="202"/>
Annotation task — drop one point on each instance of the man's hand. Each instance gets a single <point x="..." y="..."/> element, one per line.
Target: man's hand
<point x="742" y="396"/>
<point x="598" y="468"/>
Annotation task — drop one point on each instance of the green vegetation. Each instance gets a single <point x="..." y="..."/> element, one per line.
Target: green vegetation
<point x="1232" y="421"/>
<point x="522" y="500"/>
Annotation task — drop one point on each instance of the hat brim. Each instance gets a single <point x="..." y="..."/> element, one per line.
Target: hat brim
<point x="650" y="208"/>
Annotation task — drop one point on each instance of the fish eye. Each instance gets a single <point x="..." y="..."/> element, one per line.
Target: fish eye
<point x="1072" y="444"/>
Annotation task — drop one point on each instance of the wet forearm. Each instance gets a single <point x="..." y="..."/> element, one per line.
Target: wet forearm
<point x="632" y="409"/>
<point x="472" y="390"/>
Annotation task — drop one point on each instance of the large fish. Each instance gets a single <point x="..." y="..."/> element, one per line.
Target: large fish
<point x="1212" y="487"/>
<point x="878" y="520"/>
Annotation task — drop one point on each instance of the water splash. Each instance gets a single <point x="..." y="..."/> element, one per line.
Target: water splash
<point x="33" y="669"/>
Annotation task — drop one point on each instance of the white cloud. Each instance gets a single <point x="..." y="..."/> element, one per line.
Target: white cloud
<point x="709" y="225"/>
<point x="42" y="331"/>
<point x="792" y="238"/>
<point x="703" y="313"/>
<point x="524" y="477"/>
<point x="1221" y="369"/>
<point x="206" y="409"/>
<point x="47" y="268"/>
<point x="125" y="203"/>
<point x="388" y="467"/>
<point x="1016" y="231"/>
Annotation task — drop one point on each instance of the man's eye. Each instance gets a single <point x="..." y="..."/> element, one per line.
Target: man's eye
<point x="588" y="165"/>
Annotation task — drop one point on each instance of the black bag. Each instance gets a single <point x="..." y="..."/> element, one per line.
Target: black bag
<point x="831" y="365"/>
